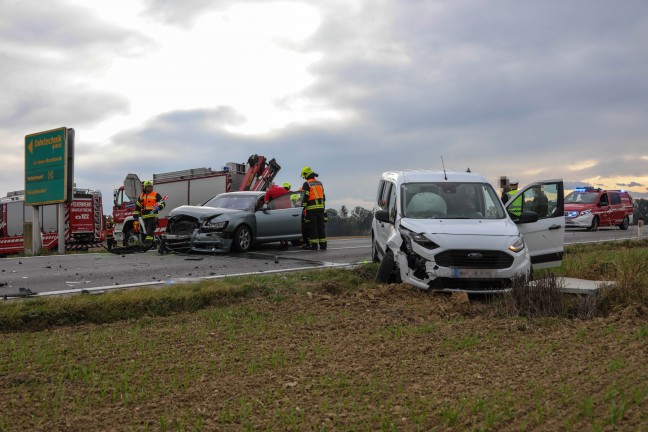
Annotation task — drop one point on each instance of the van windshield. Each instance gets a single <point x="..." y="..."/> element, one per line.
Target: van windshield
<point x="448" y="200"/>
<point x="581" y="198"/>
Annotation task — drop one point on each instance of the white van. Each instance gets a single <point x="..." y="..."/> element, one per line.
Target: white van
<point x="449" y="231"/>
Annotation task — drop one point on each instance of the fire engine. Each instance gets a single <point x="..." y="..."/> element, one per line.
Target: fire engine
<point x="187" y="187"/>
<point x="83" y="222"/>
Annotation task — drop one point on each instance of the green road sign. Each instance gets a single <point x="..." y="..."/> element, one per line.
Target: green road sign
<point x="46" y="167"/>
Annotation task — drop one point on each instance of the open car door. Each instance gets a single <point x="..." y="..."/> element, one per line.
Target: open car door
<point x="545" y="237"/>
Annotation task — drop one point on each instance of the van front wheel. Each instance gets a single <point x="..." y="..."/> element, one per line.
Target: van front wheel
<point x="374" y="250"/>
<point x="595" y="224"/>
<point x="388" y="270"/>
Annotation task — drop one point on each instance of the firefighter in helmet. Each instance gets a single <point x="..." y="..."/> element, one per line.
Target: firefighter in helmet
<point x="314" y="204"/>
<point x="110" y="233"/>
<point x="275" y="191"/>
<point x="147" y="206"/>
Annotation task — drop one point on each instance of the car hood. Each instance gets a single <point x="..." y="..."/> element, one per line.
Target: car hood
<point x="472" y="227"/>
<point x="202" y="212"/>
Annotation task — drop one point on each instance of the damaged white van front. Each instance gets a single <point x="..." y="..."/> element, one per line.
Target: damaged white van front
<point x="449" y="231"/>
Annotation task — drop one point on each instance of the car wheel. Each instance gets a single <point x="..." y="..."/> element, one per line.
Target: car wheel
<point x="624" y="225"/>
<point x="595" y="224"/>
<point x="131" y="238"/>
<point x="374" y="250"/>
<point x="388" y="270"/>
<point x="242" y="239"/>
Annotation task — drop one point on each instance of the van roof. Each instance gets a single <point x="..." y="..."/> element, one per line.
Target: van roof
<point x="427" y="175"/>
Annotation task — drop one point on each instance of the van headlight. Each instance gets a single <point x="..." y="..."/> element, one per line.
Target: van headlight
<point x="517" y="246"/>
<point x="211" y="225"/>
<point x="419" y="239"/>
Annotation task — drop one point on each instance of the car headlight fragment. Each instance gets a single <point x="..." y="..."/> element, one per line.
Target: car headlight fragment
<point x="585" y="212"/>
<point x="517" y="246"/>
<point x="418" y="238"/>
<point x="211" y="225"/>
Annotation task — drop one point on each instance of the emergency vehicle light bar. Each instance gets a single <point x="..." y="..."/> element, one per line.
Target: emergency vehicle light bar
<point x="587" y="189"/>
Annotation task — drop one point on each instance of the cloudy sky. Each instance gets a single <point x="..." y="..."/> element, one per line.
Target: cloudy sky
<point x="526" y="89"/>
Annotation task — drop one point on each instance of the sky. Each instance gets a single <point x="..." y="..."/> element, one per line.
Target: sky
<point x="352" y="88"/>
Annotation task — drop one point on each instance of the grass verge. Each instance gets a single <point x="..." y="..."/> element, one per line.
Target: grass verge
<point x="624" y="263"/>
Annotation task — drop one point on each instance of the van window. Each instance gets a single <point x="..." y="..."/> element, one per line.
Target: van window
<point x="614" y="198"/>
<point x="392" y="203"/>
<point x="542" y="199"/>
<point x="625" y="199"/>
<point x="384" y="191"/>
<point x="603" y="201"/>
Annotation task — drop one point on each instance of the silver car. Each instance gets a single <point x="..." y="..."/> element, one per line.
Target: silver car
<point x="233" y="221"/>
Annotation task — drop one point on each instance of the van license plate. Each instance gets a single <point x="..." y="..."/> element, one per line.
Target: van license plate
<point x="473" y="273"/>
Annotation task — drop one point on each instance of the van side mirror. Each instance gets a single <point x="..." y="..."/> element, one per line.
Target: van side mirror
<point x="382" y="216"/>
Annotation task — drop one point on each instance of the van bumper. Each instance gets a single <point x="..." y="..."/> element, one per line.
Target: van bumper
<point x="584" y="221"/>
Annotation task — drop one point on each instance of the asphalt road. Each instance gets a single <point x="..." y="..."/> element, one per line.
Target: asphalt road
<point x="92" y="272"/>
<point x="603" y="234"/>
<point x="96" y="272"/>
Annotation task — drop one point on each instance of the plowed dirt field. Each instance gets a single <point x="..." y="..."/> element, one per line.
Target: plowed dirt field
<point x="380" y="358"/>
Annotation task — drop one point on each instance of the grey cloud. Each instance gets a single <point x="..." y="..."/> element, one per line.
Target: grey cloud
<point x="610" y="166"/>
<point x="629" y="185"/>
<point x="45" y="48"/>
<point x="69" y="30"/>
<point x="185" y="13"/>
<point x="570" y="185"/>
<point x="182" y="14"/>
<point x="503" y="87"/>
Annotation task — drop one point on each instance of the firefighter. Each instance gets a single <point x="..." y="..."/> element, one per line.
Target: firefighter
<point x="314" y="204"/>
<point x="147" y="206"/>
<point x="275" y="191"/>
<point x="110" y="232"/>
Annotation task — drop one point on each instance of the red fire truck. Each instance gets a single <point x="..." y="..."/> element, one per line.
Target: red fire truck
<point x="83" y="222"/>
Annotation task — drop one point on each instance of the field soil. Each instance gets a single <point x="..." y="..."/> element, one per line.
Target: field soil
<point x="376" y="358"/>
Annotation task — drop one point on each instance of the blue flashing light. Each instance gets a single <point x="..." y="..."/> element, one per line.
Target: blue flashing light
<point x="587" y="189"/>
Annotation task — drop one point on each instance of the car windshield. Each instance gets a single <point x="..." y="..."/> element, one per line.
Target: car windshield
<point x="234" y="202"/>
<point x="581" y="198"/>
<point x="450" y="200"/>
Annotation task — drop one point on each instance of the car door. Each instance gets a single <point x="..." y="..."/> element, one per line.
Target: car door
<point x="545" y="237"/>
<point x="281" y="219"/>
<point x="602" y="209"/>
<point x="386" y="201"/>
<point x="616" y="209"/>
